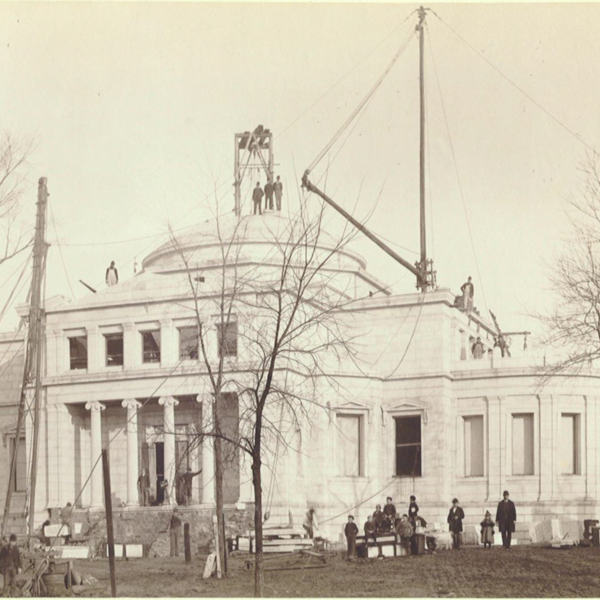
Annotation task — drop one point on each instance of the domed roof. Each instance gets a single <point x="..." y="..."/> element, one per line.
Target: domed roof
<point x="256" y="233"/>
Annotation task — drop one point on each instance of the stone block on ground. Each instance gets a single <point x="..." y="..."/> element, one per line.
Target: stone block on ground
<point x="470" y="535"/>
<point x="571" y="530"/>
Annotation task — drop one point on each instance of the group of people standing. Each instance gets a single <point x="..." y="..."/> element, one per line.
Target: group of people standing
<point x="506" y="516"/>
<point x="406" y="527"/>
<point x="387" y="521"/>
<point x="271" y="188"/>
<point x="183" y="488"/>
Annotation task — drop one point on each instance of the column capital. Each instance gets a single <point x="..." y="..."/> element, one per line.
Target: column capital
<point x="130" y="326"/>
<point x="94" y="406"/>
<point x="130" y="404"/>
<point x="166" y="322"/>
<point x="168" y="401"/>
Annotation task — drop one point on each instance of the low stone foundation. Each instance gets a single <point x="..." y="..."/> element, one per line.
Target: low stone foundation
<point x="150" y="527"/>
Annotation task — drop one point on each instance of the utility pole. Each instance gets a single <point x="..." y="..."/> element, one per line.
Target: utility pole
<point x="423" y="262"/>
<point x="36" y="321"/>
<point x="33" y="357"/>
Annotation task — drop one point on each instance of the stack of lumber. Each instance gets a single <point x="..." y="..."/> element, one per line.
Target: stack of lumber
<point x="281" y="539"/>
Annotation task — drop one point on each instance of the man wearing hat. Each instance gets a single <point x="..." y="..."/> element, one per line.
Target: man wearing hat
<point x="506" y="515"/>
<point x="455" y="519"/>
<point x="351" y="531"/>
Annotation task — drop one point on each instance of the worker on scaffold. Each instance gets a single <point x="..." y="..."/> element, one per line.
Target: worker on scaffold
<point x="269" y="194"/>
<point x="257" y="195"/>
<point x="278" y="189"/>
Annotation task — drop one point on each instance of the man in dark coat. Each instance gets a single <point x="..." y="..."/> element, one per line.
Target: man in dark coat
<point x="269" y="194"/>
<point x="184" y="486"/>
<point x="455" y="519"/>
<point x="389" y="510"/>
<point x="379" y="519"/>
<point x="10" y="562"/>
<point x="351" y="531"/>
<point x="369" y="528"/>
<point x="257" y="195"/>
<point x="506" y="515"/>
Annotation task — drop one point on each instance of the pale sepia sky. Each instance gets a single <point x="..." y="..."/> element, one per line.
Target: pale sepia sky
<point x="133" y="108"/>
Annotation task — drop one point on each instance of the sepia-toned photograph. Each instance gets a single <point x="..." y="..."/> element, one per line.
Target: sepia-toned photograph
<point x="299" y="299"/>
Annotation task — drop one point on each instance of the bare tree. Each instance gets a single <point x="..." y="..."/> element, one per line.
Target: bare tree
<point x="574" y="324"/>
<point x="13" y="157"/>
<point x="284" y="305"/>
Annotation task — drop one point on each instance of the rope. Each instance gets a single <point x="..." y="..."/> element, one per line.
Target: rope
<point x="361" y="105"/>
<point x="387" y="485"/>
<point x="516" y="86"/>
<point x="458" y="180"/>
<point x="58" y="244"/>
<point x="354" y="67"/>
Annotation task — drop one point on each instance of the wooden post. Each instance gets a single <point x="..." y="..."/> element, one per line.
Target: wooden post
<point x="186" y="542"/>
<point x="217" y="550"/>
<point x="225" y="550"/>
<point x="109" y="523"/>
<point x="69" y="575"/>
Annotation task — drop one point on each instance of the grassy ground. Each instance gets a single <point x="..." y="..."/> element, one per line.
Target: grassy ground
<point x="524" y="571"/>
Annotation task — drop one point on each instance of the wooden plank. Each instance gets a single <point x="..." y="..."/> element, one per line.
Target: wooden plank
<point x="278" y="531"/>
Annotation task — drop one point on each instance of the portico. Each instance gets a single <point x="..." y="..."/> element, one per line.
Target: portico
<point x="159" y="434"/>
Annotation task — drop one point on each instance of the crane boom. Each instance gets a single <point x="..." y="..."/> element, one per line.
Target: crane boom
<point x="414" y="269"/>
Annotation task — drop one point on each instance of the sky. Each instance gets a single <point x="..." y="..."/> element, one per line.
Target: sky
<point x="132" y="109"/>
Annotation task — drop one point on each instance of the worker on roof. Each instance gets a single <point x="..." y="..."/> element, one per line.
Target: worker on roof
<point x="278" y="189"/>
<point x="269" y="194"/>
<point x="112" y="275"/>
<point x="257" y="195"/>
<point x="477" y="348"/>
<point x="468" y="291"/>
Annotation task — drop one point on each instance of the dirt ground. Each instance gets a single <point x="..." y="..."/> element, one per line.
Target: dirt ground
<point x="525" y="571"/>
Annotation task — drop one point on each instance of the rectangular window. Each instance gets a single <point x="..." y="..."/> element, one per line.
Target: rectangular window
<point x="474" y="450"/>
<point x="151" y="346"/>
<point x="188" y="343"/>
<point x="570" y="446"/>
<point x="227" y="335"/>
<point x="19" y="482"/>
<point x="78" y="352"/>
<point x="408" y="446"/>
<point x="522" y="444"/>
<point x="114" y="349"/>
<point x="349" y="445"/>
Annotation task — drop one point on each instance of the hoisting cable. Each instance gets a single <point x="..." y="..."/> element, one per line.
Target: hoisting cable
<point x="361" y="105"/>
<point x="456" y="171"/>
<point x="481" y="55"/>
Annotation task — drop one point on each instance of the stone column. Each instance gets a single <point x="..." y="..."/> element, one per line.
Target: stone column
<point x="132" y="406"/>
<point x="208" y="454"/>
<point x="96" y="484"/>
<point x="169" y="403"/>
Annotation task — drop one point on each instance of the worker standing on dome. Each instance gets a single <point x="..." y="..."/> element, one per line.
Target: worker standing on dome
<point x="112" y="275"/>
<point x="278" y="189"/>
<point x="269" y="194"/>
<point x="257" y="195"/>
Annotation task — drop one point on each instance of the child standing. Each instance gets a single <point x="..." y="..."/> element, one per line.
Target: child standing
<point x="487" y="530"/>
<point x="413" y="510"/>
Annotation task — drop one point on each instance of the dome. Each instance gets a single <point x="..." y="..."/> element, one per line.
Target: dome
<point x="255" y="237"/>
